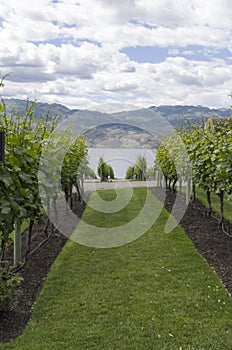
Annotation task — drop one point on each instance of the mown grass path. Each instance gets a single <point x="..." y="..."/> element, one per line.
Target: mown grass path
<point x="156" y="292"/>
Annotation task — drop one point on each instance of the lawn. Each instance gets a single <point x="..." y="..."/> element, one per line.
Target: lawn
<point x="201" y="195"/>
<point x="156" y="292"/>
<point x="216" y="203"/>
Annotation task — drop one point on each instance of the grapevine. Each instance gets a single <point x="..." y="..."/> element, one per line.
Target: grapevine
<point x="20" y="198"/>
<point x="210" y="154"/>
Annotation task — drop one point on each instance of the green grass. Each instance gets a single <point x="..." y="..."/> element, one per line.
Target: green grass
<point x="127" y="213"/>
<point x="201" y="195"/>
<point x="216" y="203"/>
<point x="155" y="293"/>
<point x="112" y="195"/>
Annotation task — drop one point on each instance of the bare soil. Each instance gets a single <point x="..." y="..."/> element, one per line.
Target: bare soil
<point x="204" y="232"/>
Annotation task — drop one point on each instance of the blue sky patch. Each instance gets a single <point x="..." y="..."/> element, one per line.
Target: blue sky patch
<point x="149" y="54"/>
<point x="155" y="54"/>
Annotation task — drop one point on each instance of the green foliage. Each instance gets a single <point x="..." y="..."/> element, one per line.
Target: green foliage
<point x="71" y="169"/>
<point x="20" y="196"/>
<point x="111" y="172"/>
<point x="130" y="173"/>
<point x="154" y="293"/>
<point x="85" y="169"/>
<point x="200" y="194"/>
<point x="24" y="140"/>
<point x="150" y="173"/>
<point x="140" y="168"/>
<point x="138" y="171"/>
<point x="210" y="152"/>
<point x="172" y="159"/>
<point x="104" y="170"/>
<point x="9" y="287"/>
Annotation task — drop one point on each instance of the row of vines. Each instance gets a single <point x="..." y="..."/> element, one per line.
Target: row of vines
<point x="202" y="154"/>
<point x="26" y="138"/>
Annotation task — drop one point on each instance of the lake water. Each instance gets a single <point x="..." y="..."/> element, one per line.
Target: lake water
<point x="120" y="158"/>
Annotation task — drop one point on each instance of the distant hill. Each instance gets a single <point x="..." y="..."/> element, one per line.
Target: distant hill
<point x="115" y="135"/>
<point x="40" y="108"/>
<point x="177" y="115"/>
<point x="154" y="121"/>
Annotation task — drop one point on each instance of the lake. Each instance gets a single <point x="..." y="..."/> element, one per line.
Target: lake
<point x="120" y="158"/>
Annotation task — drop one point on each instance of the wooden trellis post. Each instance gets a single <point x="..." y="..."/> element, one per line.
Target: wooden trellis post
<point x="17" y="243"/>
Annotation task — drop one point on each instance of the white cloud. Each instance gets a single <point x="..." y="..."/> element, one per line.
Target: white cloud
<point x="25" y="23"/>
<point x="69" y="51"/>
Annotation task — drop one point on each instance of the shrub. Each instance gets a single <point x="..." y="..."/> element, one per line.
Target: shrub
<point x="9" y="287"/>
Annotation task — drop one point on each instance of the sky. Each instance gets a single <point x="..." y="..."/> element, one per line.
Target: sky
<point x="111" y="55"/>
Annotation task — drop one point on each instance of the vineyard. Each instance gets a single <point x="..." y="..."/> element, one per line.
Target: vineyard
<point x="42" y="165"/>
<point x="156" y="292"/>
<point x="25" y="196"/>
<point x="201" y="156"/>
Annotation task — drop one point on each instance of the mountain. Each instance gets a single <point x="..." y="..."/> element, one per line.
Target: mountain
<point x="116" y="135"/>
<point x="14" y="105"/>
<point x="176" y="115"/>
<point x="112" y="128"/>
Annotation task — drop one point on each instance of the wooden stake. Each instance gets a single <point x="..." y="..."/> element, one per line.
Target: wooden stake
<point x="17" y="243"/>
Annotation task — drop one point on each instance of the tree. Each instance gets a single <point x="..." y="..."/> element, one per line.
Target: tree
<point x="150" y="173"/>
<point x="172" y="160"/>
<point x="111" y="172"/>
<point x="130" y="172"/>
<point x="140" y="168"/>
<point x="104" y="170"/>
